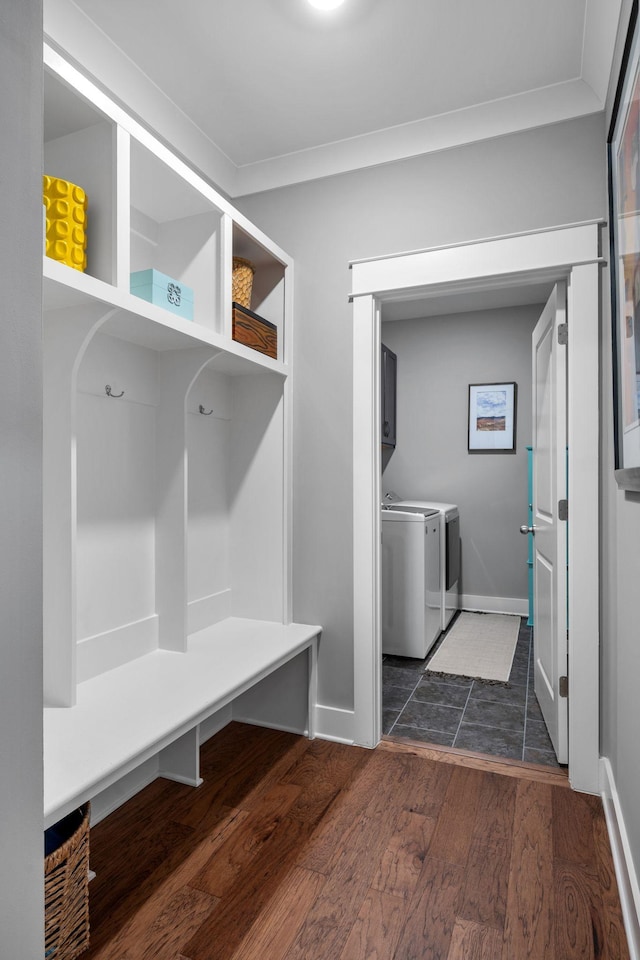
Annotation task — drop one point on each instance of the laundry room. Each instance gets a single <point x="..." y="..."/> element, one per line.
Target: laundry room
<point x="446" y="350"/>
<point x="439" y="357"/>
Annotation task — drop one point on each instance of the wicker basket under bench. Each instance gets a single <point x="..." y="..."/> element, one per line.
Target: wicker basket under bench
<point x="66" y="889"/>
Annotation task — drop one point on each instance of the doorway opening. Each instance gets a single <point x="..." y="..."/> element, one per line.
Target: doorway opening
<point x="567" y="253"/>
<point x="467" y="425"/>
<point x="478" y="693"/>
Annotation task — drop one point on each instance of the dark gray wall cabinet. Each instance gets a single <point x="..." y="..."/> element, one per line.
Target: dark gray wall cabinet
<point x="388" y="378"/>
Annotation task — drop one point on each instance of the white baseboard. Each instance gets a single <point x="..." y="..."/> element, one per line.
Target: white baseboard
<point x="283" y="727"/>
<point x="513" y="605"/>
<point x="110" y="649"/>
<point x="622" y="858"/>
<point x="335" y="724"/>
<point x="204" y="611"/>
<point x="178" y="778"/>
<point x="213" y="724"/>
<point x="123" y="789"/>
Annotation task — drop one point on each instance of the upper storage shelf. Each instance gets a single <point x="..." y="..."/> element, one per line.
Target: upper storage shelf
<point x="120" y="314"/>
<point x="149" y="211"/>
<point x="80" y="147"/>
<point x="268" y="290"/>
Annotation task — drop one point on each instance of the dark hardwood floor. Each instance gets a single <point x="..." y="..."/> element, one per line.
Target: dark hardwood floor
<point x="299" y="850"/>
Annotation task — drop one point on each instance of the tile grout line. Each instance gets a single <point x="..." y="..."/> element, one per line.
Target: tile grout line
<point x="420" y="675"/>
<point x="464" y="710"/>
<point x="423" y="675"/>
<point x="490" y="726"/>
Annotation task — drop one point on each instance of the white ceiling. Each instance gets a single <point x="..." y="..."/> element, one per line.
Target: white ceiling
<point x="267" y="77"/>
<point x="285" y="92"/>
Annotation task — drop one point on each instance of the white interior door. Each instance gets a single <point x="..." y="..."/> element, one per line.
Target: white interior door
<point x="550" y="532"/>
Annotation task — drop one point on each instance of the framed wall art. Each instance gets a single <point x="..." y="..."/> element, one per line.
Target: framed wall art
<point x="492" y="417"/>
<point x="624" y="220"/>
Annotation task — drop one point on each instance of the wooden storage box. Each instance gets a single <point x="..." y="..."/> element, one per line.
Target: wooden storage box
<point x="254" y="331"/>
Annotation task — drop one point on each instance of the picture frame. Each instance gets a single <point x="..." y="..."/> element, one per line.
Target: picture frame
<point x="623" y="149"/>
<point x="492" y="418"/>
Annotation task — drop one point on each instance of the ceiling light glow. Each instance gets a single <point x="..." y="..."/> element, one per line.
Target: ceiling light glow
<point x="326" y="4"/>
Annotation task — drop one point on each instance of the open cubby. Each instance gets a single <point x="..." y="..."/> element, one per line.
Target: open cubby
<point x="268" y="289"/>
<point x="79" y="146"/>
<point x="177" y="230"/>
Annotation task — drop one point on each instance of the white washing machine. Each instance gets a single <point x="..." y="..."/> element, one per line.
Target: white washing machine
<point x="449" y="548"/>
<point x="410" y="563"/>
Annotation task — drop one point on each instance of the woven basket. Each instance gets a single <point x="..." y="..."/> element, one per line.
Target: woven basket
<point x="66" y="892"/>
<point x="242" y="281"/>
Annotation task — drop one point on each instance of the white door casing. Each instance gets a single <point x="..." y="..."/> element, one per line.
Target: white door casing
<point x="568" y="253"/>
<point x="366" y="534"/>
<point x="548" y="422"/>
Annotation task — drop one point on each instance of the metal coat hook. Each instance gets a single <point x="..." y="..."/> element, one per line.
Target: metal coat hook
<point x="108" y="392"/>
<point x="205" y="413"/>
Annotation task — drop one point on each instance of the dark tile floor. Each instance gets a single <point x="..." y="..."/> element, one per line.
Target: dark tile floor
<point x="503" y="721"/>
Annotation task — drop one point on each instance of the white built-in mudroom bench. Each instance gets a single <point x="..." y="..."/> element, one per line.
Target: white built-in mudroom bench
<point x="167" y="472"/>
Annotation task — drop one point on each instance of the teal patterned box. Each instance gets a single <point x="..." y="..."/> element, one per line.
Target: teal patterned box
<point x="164" y="291"/>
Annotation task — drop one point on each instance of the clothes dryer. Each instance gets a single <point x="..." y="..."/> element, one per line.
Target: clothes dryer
<point x="411" y="618"/>
<point x="449" y="547"/>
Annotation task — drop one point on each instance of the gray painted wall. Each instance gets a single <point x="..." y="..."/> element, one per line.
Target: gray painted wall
<point x="438" y="358"/>
<point x="553" y="175"/>
<point x="21" y="884"/>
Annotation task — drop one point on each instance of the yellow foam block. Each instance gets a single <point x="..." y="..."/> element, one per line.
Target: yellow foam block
<point x="66" y="218"/>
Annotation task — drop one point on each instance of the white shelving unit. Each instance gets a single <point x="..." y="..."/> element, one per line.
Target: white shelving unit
<point x="167" y="460"/>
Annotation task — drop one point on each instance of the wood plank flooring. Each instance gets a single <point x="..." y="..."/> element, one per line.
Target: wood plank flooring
<point x="307" y="850"/>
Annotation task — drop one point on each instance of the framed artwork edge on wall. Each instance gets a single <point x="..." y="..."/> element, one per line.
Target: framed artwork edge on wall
<point x="623" y="153"/>
<point x="491" y="426"/>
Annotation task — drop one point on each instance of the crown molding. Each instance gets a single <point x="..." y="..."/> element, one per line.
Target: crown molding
<point x="485" y="121"/>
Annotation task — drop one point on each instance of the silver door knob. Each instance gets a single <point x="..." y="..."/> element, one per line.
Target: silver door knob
<point x="525" y="529"/>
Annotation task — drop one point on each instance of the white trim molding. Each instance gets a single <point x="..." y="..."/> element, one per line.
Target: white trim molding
<point x="515" y="606"/>
<point x="626" y="875"/>
<point x="570" y="253"/>
<point x="483" y="121"/>
<point x="334" y="723"/>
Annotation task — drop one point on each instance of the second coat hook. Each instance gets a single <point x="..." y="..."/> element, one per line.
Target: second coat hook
<point x="108" y="392"/>
<point x="205" y="413"/>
